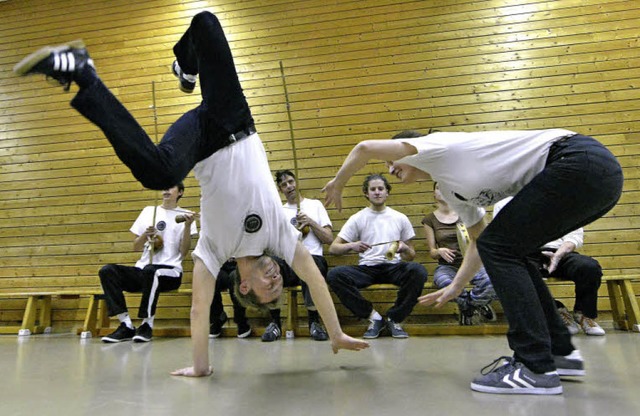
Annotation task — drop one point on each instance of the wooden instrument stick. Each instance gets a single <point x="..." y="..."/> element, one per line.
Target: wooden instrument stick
<point x="293" y="146"/>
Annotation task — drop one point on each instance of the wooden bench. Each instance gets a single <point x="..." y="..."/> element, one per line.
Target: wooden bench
<point x="37" y="314"/>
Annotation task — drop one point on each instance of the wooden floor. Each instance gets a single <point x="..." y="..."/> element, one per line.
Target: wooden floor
<point x="62" y="375"/>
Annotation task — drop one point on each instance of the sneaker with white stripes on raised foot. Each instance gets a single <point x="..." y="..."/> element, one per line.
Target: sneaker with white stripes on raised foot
<point x="64" y="63"/>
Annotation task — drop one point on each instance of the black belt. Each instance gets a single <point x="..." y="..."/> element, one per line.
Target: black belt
<point x="239" y="135"/>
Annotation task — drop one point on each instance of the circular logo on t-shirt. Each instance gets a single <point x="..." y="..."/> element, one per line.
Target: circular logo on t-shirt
<point x="161" y="225"/>
<point x="294" y="221"/>
<point x="252" y="223"/>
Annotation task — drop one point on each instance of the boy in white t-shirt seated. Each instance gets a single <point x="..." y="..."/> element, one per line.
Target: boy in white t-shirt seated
<point x="363" y="233"/>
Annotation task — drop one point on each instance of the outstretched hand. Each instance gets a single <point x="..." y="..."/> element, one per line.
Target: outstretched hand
<point x="440" y="297"/>
<point x="191" y="372"/>
<point x="345" y="342"/>
<point x="333" y="194"/>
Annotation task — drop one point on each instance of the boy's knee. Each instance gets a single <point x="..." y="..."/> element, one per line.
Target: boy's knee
<point x="106" y="271"/>
<point x="335" y="276"/>
<point x="417" y="272"/>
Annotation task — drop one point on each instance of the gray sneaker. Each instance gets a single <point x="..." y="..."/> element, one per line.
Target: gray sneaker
<point x="515" y="378"/>
<point x="570" y="365"/>
<point x="375" y="327"/>
<point x="396" y="330"/>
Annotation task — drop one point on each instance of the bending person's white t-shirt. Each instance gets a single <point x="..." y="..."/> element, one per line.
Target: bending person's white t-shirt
<point x="478" y="169"/>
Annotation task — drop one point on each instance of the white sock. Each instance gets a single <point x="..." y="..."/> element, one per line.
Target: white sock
<point x="149" y="321"/>
<point x="126" y="319"/>
<point x="375" y="316"/>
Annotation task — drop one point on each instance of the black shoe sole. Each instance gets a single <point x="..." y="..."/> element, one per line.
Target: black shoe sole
<point x="26" y="64"/>
<point x="245" y="334"/>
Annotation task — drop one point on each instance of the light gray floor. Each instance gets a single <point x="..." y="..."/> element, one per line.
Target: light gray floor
<point x="62" y="375"/>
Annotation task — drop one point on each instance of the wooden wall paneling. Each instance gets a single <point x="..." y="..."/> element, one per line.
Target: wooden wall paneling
<point x="355" y="70"/>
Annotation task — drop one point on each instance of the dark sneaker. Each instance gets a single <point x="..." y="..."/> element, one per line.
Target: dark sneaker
<point x="469" y="316"/>
<point x="317" y="332"/>
<point x="487" y="312"/>
<point x="515" y="378"/>
<point x="215" y="329"/>
<point x="272" y="333"/>
<point x="122" y="333"/>
<point x="396" y="330"/>
<point x="144" y="333"/>
<point x="187" y="82"/>
<point x="570" y="365"/>
<point x="375" y="327"/>
<point x="244" y="330"/>
<point x="62" y="63"/>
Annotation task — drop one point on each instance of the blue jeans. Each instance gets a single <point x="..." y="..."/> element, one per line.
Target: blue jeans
<point x="198" y="133"/>
<point x="346" y="281"/>
<point x="482" y="292"/>
<point x="581" y="182"/>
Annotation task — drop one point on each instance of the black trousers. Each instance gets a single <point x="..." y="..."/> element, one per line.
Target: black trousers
<point x="150" y="281"/>
<point x="346" y="281"/>
<point x="197" y="134"/>
<point x="224" y="281"/>
<point x="584" y="271"/>
<point x="581" y="181"/>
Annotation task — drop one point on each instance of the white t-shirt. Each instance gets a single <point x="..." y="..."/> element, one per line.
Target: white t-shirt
<point x="314" y="210"/>
<point x="374" y="227"/>
<point x="170" y="231"/>
<point x="240" y="210"/>
<point x="478" y="169"/>
<point x="575" y="236"/>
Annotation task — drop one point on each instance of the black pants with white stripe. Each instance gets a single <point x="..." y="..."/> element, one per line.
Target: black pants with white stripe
<point x="150" y="281"/>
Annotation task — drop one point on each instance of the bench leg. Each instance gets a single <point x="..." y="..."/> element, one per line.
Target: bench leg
<point x="617" y="309"/>
<point x="103" y="313"/>
<point x="90" y="319"/>
<point x="29" y="319"/>
<point x="45" y="314"/>
<point x="631" y="305"/>
<point x="292" y="315"/>
<point x="97" y="316"/>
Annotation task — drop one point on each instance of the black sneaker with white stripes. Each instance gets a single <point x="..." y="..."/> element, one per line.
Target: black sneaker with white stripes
<point x="122" y="333"/>
<point x="513" y="377"/>
<point x="187" y="82"/>
<point x="64" y="63"/>
<point x="271" y="333"/>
